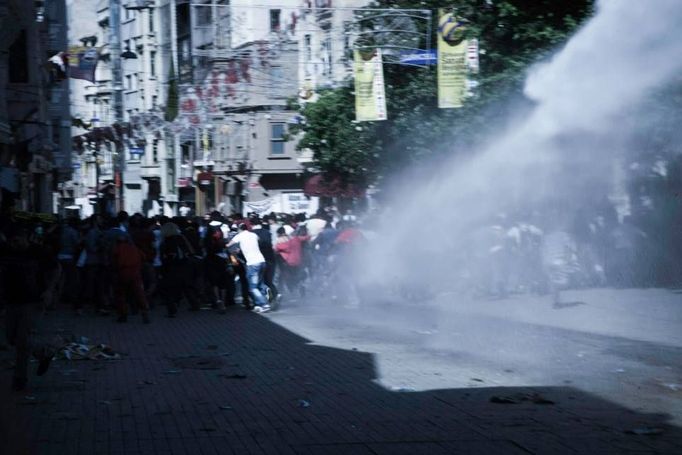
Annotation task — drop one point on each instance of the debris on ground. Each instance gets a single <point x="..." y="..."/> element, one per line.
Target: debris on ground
<point x="233" y="376"/>
<point x="212" y="347"/>
<point x="535" y="398"/>
<point x="172" y="372"/>
<point x="503" y="400"/>
<point x="199" y="362"/>
<point x="225" y="408"/>
<point x="303" y="403"/>
<point x="82" y="351"/>
<point x="645" y="431"/>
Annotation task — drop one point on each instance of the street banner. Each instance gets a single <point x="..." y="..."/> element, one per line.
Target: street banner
<point x="418" y="57"/>
<point x="452" y="61"/>
<point x="370" y="98"/>
<point x="83" y="62"/>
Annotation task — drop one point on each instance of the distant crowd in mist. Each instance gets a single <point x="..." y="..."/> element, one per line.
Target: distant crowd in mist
<point x="602" y="242"/>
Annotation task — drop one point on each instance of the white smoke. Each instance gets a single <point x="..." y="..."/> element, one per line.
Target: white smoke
<point x="564" y="147"/>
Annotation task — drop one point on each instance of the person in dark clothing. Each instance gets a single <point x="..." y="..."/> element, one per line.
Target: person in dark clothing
<point x="20" y="281"/>
<point x="69" y="249"/>
<point x="265" y="245"/>
<point x="217" y="266"/>
<point x="143" y="238"/>
<point x="176" y="277"/>
<point x="127" y="262"/>
<point x="94" y="283"/>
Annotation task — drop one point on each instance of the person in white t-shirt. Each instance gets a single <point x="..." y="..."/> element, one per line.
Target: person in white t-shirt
<point x="255" y="267"/>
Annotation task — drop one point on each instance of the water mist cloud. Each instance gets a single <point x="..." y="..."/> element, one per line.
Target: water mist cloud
<point x="553" y="160"/>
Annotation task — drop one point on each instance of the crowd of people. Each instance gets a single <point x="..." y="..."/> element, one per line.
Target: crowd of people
<point x="106" y="265"/>
<point x="128" y="264"/>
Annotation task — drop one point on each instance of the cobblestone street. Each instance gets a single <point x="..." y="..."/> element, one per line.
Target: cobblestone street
<point x="239" y="383"/>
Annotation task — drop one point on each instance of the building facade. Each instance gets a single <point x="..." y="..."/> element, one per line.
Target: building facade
<point x="34" y="105"/>
<point x="207" y="99"/>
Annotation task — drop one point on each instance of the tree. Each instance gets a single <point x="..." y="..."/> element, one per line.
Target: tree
<point x="513" y="34"/>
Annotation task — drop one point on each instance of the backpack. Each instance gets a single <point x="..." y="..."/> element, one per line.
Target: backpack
<point x="215" y="241"/>
<point x="174" y="250"/>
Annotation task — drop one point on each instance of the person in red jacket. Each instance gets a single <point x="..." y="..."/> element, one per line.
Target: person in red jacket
<point x="127" y="262"/>
<point x="290" y="250"/>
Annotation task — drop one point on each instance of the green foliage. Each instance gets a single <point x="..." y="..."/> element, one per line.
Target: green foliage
<point x="513" y="34"/>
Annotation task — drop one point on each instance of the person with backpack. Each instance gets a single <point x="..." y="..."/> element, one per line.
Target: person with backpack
<point x="126" y="261"/>
<point x="218" y="270"/>
<point x="265" y="245"/>
<point x="176" y="277"/>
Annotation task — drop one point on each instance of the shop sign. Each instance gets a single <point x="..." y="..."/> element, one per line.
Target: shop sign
<point x="184" y="182"/>
<point x="205" y="178"/>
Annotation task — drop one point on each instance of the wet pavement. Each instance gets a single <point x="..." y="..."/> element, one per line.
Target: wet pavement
<point x="315" y="377"/>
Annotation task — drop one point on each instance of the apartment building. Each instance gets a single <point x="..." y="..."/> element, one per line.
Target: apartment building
<point x="236" y="66"/>
<point x="34" y="105"/>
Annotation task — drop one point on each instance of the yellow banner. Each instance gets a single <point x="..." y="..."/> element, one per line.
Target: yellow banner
<point x="452" y="57"/>
<point x="370" y="98"/>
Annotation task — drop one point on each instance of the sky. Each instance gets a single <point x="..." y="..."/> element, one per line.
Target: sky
<point x="82" y="16"/>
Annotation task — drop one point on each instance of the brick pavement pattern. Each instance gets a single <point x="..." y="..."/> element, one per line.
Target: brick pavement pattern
<point x="238" y="383"/>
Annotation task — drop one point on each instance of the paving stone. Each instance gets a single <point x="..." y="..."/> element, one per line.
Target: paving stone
<point x="200" y="412"/>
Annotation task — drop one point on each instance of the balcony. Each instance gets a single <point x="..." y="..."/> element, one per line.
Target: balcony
<point x="150" y="171"/>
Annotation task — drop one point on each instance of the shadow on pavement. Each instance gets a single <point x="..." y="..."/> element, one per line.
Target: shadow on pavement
<point x="251" y="386"/>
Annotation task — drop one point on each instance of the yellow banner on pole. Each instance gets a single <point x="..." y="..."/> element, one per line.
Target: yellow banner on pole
<point x="370" y="97"/>
<point x="452" y="58"/>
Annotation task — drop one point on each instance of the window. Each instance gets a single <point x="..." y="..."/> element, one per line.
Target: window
<point x="327" y="56"/>
<point x="155" y="101"/>
<point x="308" y="48"/>
<point x="203" y="13"/>
<point x="126" y="43"/>
<point x="151" y="20"/>
<point x="18" y="69"/>
<point x="277" y="139"/>
<point x="56" y="133"/>
<point x="275" y="20"/>
<point x="129" y="82"/>
<point x="152" y="63"/>
<point x="155" y="150"/>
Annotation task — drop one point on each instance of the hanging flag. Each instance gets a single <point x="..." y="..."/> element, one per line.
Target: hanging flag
<point x="452" y="61"/>
<point x="83" y="62"/>
<point x="370" y="98"/>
